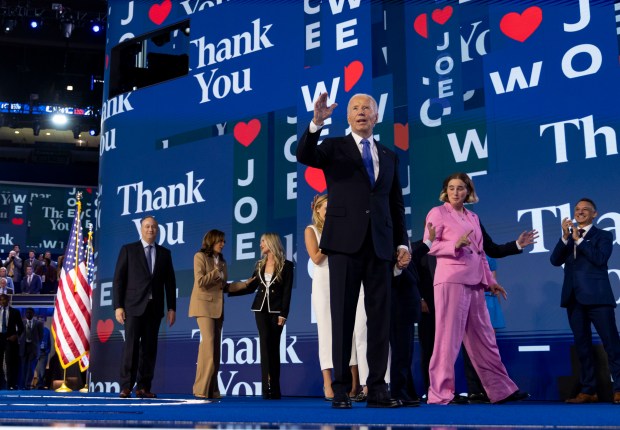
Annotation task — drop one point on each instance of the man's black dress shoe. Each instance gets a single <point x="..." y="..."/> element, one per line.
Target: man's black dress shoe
<point x="478" y="398"/>
<point x="381" y="401"/>
<point x="409" y="403"/>
<point x="459" y="400"/>
<point x="514" y="397"/>
<point x="341" y="402"/>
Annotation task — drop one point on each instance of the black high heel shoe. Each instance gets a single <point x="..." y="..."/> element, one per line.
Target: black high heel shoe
<point x="327" y="399"/>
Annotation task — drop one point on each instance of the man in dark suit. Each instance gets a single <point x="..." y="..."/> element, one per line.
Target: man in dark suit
<point x="587" y="295"/>
<point x="31" y="261"/>
<point x="29" y="345"/>
<point x="31" y="283"/>
<point x="11" y="327"/>
<point x="364" y="228"/>
<point x="144" y="274"/>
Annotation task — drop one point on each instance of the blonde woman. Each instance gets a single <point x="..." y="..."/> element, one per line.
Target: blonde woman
<point x="207" y="306"/>
<point x="273" y="282"/>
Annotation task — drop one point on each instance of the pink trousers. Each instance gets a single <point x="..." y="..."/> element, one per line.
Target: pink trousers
<point x="461" y="316"/>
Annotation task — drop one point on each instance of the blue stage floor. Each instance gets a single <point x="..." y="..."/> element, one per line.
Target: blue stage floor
<point x="69" y="410"/>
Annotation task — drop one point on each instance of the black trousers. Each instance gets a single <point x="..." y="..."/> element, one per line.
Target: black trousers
<point x="401" y="376"/>
<point x="269" y="333"/>
<point x="9" y="351"/>
<point x="140" y="352"/>
<point x="346" y="274"/>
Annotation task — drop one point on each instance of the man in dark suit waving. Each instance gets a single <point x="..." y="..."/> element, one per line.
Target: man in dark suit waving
<point x="144" y="274"/>
<point x="364" y="228"/>
<point x="587" y="296"/>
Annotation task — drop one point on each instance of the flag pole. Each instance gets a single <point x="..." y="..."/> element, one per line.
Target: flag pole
<point x="63" y="388"/>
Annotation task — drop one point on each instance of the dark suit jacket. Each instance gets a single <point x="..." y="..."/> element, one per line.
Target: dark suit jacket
<point x="36" y="336"/>
<point x="494" y="250"/>
<point x="586" y="276"/>
<point x="353" y="205"/>
<point x="34" y="287"/>
<point x="133" y="283"/>
<point x="279" y="291"/>
<point x="14" y="324"/>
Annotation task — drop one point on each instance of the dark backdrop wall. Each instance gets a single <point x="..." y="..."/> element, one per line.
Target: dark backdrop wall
<point x="520" y="95"/>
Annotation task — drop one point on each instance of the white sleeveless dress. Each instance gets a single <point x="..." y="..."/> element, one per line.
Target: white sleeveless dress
<point x="320" y="303"/>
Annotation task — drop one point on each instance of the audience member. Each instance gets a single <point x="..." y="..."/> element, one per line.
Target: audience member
<point x="3" y="287"/>
<point x="9" y="281"/>
<point x="584" y="250"/>
<point x="32" y="261"/>
<point x="13" y="266"/>
<point x="461" y="277"/>
<point x="49" y="276"/>
<point x="273" y="282"/>
<point x="31" y="284"/>
<point x="11" y="328"/>
<point x="29" y="345"/>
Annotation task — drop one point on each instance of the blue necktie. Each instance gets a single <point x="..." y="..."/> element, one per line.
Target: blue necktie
<point x="149" y="258"/>
<point x="367" y="159"/>
<point x="4" y="312"/>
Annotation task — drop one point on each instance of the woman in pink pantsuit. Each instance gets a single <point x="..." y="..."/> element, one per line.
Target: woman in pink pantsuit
<point x="461" y="316"/>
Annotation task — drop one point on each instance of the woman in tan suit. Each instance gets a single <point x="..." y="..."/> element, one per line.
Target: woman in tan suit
<point x="207" y="305"/>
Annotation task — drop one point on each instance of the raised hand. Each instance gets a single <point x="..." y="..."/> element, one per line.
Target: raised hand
<point x="321" y="110"/>
<point x="431" y="231"/>
<point x="527" y="238"/>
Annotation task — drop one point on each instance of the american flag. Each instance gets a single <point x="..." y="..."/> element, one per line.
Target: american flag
<point x="90" y="277"/>
<point x="72" y="309"/>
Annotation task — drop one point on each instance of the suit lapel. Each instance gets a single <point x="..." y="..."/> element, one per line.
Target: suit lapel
<point x="383" y="159"/>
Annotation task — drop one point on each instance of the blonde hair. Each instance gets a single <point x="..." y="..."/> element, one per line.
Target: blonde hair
<point x="272" y="240"/>
<point x="317" y="202"/>
<point x="472" y="197"/>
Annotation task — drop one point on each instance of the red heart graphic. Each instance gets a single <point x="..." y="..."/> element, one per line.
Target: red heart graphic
<point x="316" y="179"/>
<point x="420" y="25"/>
<point x="246" y="133"/>
<point x="441" y="16"/>
<point x="352" y="74"/>
<point x="159" y="12"/>
<point x="104" y="330"/>
<point x="520" y="27"/>
<point x="401" y="136"/>
<point x="89" y="190"/>
<point x="107" y="60"/>
<point x="17" y="221"/>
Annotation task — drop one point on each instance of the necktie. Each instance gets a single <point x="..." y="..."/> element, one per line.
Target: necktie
<point x="367" y="159"/>
<point x="149" y="259"/>
<point x="4" y="312"/>
<point x="581" y="231"/>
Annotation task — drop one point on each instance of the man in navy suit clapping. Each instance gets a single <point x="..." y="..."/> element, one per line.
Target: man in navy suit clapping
<point x="587" y="296"/>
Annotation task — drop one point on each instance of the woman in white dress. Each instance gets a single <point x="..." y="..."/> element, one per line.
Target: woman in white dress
<point x="320" y="297"/>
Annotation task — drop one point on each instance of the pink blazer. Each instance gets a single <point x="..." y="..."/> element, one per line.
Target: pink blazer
<point x="467" y="265"/>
